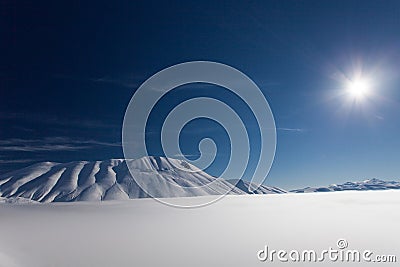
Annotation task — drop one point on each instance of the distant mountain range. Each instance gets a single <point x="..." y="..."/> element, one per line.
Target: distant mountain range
<point x="371" y="184"/>
<point x="111" y="180"/>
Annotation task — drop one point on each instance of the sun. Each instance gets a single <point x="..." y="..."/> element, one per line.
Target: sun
<point x="358" y="88"/>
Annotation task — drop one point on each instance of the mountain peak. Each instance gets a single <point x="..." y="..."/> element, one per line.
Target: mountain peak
<point x="112" y="180"/>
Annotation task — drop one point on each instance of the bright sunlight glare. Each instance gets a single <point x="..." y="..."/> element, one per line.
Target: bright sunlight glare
<point x="358" y="88"/>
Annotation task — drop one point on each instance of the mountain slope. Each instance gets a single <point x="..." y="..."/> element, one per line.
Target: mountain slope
<point x="263" y="189"/>
<point x="110" y="180"/>
<point x="371" y="184"/>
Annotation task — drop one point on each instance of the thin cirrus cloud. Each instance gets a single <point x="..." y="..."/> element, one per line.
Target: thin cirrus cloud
<point x="55" y="120"/>
<point x="51" y="144"/>
<point x="129" y="81"/>
<point x="15" y="161"/>
<point x="294" y="130"/>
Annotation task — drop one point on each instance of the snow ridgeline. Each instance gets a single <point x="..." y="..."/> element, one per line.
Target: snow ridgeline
<point x="111" y="180"/>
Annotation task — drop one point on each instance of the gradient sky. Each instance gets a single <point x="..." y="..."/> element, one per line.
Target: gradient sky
<point x="68" y="71"/>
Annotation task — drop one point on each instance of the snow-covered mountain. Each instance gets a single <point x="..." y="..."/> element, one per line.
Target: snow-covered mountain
<point x="371" y="184"/>
<point x="111" y="180"/>
<point x="263" y="189"/>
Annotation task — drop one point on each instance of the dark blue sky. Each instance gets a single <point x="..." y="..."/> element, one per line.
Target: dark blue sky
<point x="68" y="71"/>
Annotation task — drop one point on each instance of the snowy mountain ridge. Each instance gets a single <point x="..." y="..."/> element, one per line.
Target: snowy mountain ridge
<point x="111" y="180"/>
<point x="370" y="184"/>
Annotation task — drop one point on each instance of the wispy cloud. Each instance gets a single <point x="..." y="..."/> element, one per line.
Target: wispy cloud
<point x="129" y="81"/>
<point x="125" y="80"/>
<point x="298" y="130"/>
<point x="162" y="87"/>
<point x="56" y="120"/>
<point x="51" y="144"/>
<point x="35" y="148"/>
<point x="186" y="155"/>
<point x="15" y="161"/>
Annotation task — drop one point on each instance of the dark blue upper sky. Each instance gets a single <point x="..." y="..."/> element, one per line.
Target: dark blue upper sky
<point x="68" y="70"/>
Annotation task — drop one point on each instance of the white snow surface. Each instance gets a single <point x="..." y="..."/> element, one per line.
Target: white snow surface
<point x="144" y="232"/>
